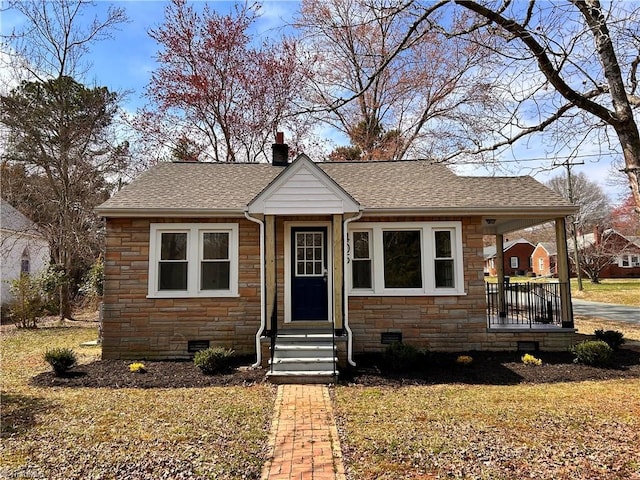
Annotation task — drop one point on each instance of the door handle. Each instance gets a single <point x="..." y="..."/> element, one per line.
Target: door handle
<point x="325" y="275"/>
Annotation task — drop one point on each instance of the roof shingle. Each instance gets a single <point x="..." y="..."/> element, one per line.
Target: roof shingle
<point x="375" y="185"/>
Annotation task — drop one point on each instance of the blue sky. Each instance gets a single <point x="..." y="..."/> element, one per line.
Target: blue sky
<point x="125" y="63"/>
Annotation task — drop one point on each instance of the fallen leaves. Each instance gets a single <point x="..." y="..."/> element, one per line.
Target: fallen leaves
<point x="572" y="431"/>
<point x="72" y="432"/>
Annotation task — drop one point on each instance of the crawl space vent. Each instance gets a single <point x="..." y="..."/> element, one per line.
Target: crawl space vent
<point x="528" y="346"/>
<point x="387" y="338"/>
<point x="194" y="346"/>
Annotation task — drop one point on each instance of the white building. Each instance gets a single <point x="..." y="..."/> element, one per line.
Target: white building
<point x="22" y="248"/>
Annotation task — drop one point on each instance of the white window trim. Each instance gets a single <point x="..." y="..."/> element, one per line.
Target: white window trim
<point x="633" y="260"/>
<point x="194" y="233"/>
<point x="427" y="234"/>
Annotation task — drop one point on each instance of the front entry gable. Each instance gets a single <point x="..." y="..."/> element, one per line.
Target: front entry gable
<point x="303" y="189"/>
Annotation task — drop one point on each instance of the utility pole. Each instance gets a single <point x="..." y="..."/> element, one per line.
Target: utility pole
<point x="576" y="254"/>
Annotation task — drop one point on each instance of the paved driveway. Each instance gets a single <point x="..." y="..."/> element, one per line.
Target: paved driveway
<point x="607" y="311"/>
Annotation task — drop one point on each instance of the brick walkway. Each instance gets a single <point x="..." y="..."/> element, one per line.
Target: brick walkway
<point x="304" y="440"/>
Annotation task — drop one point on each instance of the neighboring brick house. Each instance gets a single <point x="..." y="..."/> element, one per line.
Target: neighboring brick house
<point x="23" y="249"/>
<point x="544" y="259"/>
<point x="251" y="256"/>
<point x="623" y="253"/>
<point x="516" y="258"/>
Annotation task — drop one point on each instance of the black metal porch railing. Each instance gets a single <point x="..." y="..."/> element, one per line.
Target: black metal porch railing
<point x="525" y="304"/>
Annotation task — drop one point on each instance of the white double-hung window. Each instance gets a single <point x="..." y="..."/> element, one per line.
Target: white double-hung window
<point x="193" y="260"/>
<point x="409" y="258"/>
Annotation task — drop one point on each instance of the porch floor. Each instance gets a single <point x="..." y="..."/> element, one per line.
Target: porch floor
<point x="502" y="324"/>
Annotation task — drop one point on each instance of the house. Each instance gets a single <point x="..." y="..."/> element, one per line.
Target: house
<point x="279" y="260"/>
<point x="611" y="253"/>
<point x="544" y="259"/>
<point x="516" y="258"/>
<point x="22" y="247"/>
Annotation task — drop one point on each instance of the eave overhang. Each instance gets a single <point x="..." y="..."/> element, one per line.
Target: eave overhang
<point x="169" y="212"/>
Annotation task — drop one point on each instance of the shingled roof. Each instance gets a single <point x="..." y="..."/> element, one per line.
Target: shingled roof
<point x="219" y="188"/>
<point x="12" y="219"/>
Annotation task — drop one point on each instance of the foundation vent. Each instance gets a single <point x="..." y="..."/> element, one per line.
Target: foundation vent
<point x="194" y="346"/>
<point x="387" y="338"/>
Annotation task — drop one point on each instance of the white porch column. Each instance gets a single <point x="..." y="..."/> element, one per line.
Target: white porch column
<point x="270" y="266"/>
<point x="338" y="273"/>
<point x="562" y="266"/>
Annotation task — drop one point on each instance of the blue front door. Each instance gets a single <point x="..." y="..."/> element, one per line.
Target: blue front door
<point x="309" y="282"/>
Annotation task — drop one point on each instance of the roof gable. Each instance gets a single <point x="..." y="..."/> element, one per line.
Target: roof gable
<point x="12" y="219"/>
<point x="548" y="247"/>
<point x="490" y="251"/>
<point x="303" y="189"/>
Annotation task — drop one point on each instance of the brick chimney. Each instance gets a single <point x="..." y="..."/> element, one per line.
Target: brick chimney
<point x="597" y="235"/>
<point x="280" y="151"/>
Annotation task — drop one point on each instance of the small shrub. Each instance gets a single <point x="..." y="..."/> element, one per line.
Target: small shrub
<point x="28" y="303"/>
<point x="92" y="287"/>
<point x="213" y="360"/>
<point x="613" y="338"/>
<point x="400" y="357"/>
<point x="52" y="281"/>
<point x="137" y="367"/>
<point x="60" y="359"/>
<point x="464" y="360"/>
<point x="593" y="352"/>
<point x="529" y="359"/>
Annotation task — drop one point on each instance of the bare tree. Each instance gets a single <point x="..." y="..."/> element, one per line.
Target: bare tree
<point x="60" y="153"/>
<point x="55" y="38"/>
<point x="587" y="195"/>
<point x="569" y="69"/>
<point x="598" y="250"/>
<point x="424" y="101"/>
<point x="215" y="89"/>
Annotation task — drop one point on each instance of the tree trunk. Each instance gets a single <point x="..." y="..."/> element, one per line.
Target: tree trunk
<point x="630" y="142"/>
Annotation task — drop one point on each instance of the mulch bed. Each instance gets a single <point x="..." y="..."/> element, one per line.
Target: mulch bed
<point x="487" y="368"/>
<point x="493" y="368"/>
<point x="161" y="374"/>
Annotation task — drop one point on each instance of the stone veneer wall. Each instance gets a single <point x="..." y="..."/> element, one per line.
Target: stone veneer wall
<point x="137" y="327"/>
<point x="448" y="323"/>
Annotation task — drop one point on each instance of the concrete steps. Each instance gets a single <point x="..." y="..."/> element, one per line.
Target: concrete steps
<point x="303" y="356"/>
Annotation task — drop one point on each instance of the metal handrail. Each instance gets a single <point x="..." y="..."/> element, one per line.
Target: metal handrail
<point x="334" y="353"/>
<point x="274" y="328"/>
<point x="527" y="303"/>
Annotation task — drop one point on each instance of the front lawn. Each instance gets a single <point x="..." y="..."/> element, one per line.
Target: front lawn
<point x="585" y="430"/>
<point x="588" y="325"/>
<point x="114" y="433"/>
<point x="623" y="291"/>
<point x="615" y="290"/>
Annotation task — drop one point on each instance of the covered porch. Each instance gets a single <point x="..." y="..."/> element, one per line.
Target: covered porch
<point x="540" y="304"/>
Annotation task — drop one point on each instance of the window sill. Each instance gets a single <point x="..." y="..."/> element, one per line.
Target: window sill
<point x="191" y="295"/>
<point x="371" y="293"/>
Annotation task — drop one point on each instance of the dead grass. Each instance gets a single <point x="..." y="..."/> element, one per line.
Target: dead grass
<point x="66" y="433"/>
<point x="615" y="290"/>
<point x="620" y="291"/>
<point x="588" y="325"/>
<point x="587" y="430"/>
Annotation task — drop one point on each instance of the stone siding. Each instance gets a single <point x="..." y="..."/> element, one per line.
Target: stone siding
<point x="448" y="323"/>
<point x="137" y="327"/>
